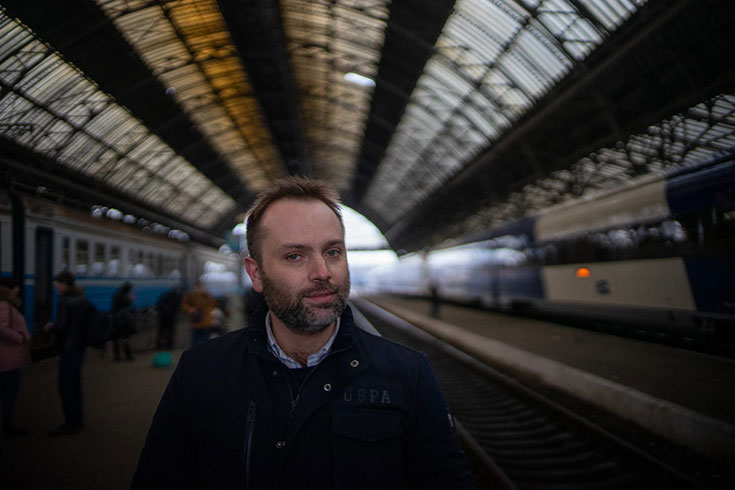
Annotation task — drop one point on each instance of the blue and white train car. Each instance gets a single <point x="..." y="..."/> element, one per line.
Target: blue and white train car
<point x="39" y="238"/>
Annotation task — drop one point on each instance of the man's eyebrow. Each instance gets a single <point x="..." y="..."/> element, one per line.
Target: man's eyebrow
<point x="301" y="246"/>
<point x="292" y="246"/>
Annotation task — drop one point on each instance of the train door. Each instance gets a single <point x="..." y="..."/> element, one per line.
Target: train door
<point x="43" y="295"/>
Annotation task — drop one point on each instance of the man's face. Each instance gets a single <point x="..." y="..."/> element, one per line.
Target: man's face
<point x="303" y="272"/>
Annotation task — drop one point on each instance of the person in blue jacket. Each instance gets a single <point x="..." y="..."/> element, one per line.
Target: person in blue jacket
<point x="301" y="398"/>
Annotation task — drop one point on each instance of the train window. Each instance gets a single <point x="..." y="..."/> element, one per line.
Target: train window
<point x="691" y="224"/>
<point x="130" y="263"/>
<point x="175" y="272"/>
<point x="672" y="232"/>
<point x="114" y="266"/>
<point x="65" y="250"/>
<point x="724" y="225"/>
<point x="159" y="265"/>
<point x="140" y="269"/>
<point x="150" y="264"/>
<point x="81" y="258"/>
<point x="98" y="265"/>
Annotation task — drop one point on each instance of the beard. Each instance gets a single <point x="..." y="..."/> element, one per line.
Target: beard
<point x="290" y="306"/>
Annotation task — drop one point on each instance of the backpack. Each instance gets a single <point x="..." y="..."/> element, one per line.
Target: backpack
<point x="99" y="326"/>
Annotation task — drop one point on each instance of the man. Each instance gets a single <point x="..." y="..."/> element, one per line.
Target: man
<point x="122" y="316"/>
<point x="73" y="314"/>
<point x="168" y="308"/>
<point x="302" y="398"/>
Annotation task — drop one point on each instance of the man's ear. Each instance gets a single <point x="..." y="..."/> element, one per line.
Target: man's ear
<point x="254" y="272"/>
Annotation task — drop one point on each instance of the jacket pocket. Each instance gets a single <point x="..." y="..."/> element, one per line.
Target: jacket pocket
<point x="368" y="449"/>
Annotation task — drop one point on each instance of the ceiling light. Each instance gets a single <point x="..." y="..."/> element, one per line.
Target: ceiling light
<point x="359" y="80"/>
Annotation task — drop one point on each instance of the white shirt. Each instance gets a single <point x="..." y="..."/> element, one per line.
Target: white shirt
<point x="312" y="360"/>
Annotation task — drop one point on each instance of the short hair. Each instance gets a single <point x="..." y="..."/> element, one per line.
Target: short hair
<point x="65" y="277"/>
<point x="297" y="188"/>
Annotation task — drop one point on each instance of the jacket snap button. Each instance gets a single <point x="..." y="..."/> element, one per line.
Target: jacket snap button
<point x="354" y="363"/>
<point x="280" y="444"/>
<point x="327" y="387"/>
<point x="275" y="373"/>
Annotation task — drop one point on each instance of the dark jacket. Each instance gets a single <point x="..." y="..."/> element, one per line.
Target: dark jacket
<point x="370" y="416"/>
<point x="168" y="304"/>
<point x="73" y="314"/>
<point x="122" y="312"/>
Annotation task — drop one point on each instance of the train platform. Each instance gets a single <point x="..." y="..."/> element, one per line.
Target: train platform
<point x="119" y="401"/>
<point x="683" y="396"/>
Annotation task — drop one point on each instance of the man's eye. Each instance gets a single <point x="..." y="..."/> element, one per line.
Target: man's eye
<point x="334" y="253"/>
<point x="293" y="257"/>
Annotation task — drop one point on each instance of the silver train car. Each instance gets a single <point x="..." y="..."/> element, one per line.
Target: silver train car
<point x="658" y="253"/>
<point x="39" y="238"/>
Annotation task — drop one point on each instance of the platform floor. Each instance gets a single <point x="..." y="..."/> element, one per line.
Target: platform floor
<point x="119" y="401"/>
<point x="673" y="391"/>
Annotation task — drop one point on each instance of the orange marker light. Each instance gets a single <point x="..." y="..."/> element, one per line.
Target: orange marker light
<point x="583" y="272"/>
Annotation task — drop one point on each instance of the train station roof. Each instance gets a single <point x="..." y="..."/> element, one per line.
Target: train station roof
<point x="433" y="118"/>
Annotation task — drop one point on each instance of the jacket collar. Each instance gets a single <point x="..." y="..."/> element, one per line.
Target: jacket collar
<point x="257" y="339"/>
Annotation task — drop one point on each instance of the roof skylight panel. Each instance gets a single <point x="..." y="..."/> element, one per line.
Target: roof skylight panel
<point x="53" y="137"/>
<point x="77" y="150"/>
<point x="189" y="33"/>
<point x="52" y="91"/>
<point x="328" y="40"/>
<point x="577" y="34"/>
<point x="612" y="13"/>
<point x="544" y="52"/>
<point x="529" y="57"/>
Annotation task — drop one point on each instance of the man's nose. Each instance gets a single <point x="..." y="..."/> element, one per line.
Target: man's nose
<point x="319" y="270"/>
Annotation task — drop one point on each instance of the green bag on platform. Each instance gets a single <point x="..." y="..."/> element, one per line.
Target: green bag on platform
<point x="162" y="359"/>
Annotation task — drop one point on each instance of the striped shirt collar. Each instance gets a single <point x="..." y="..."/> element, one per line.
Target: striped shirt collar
<point x="313" y="359"/>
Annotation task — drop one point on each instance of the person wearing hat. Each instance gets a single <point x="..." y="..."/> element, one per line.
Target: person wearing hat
<point x="73" y="313"/>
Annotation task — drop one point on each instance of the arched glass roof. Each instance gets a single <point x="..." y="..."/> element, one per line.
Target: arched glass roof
<point x="52" y="108"/>
<point x="493" y="61"/>
<point x="187" y="46"/>
<point x="431" y="118"/>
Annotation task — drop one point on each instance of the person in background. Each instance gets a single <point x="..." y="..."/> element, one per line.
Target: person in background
<point x="198" y="305"/>
<point x="122" y="321"/>
<point x="435" y="302"/>
<point x="15" y="342"/>
<point x="74" y="312"/>
<point x="219" y="319"/>
<point x="302" y="398"/>
<point x="168" y="305"/>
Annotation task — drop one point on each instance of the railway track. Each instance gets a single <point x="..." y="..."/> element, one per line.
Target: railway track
<point x="517" y="438"/>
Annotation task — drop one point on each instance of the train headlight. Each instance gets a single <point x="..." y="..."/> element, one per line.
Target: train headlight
<point x="583" y="272"/>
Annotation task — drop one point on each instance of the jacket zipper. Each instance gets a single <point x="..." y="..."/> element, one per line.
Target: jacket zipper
<point x="295" y="401"/>
<point x="249" y="429"/>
